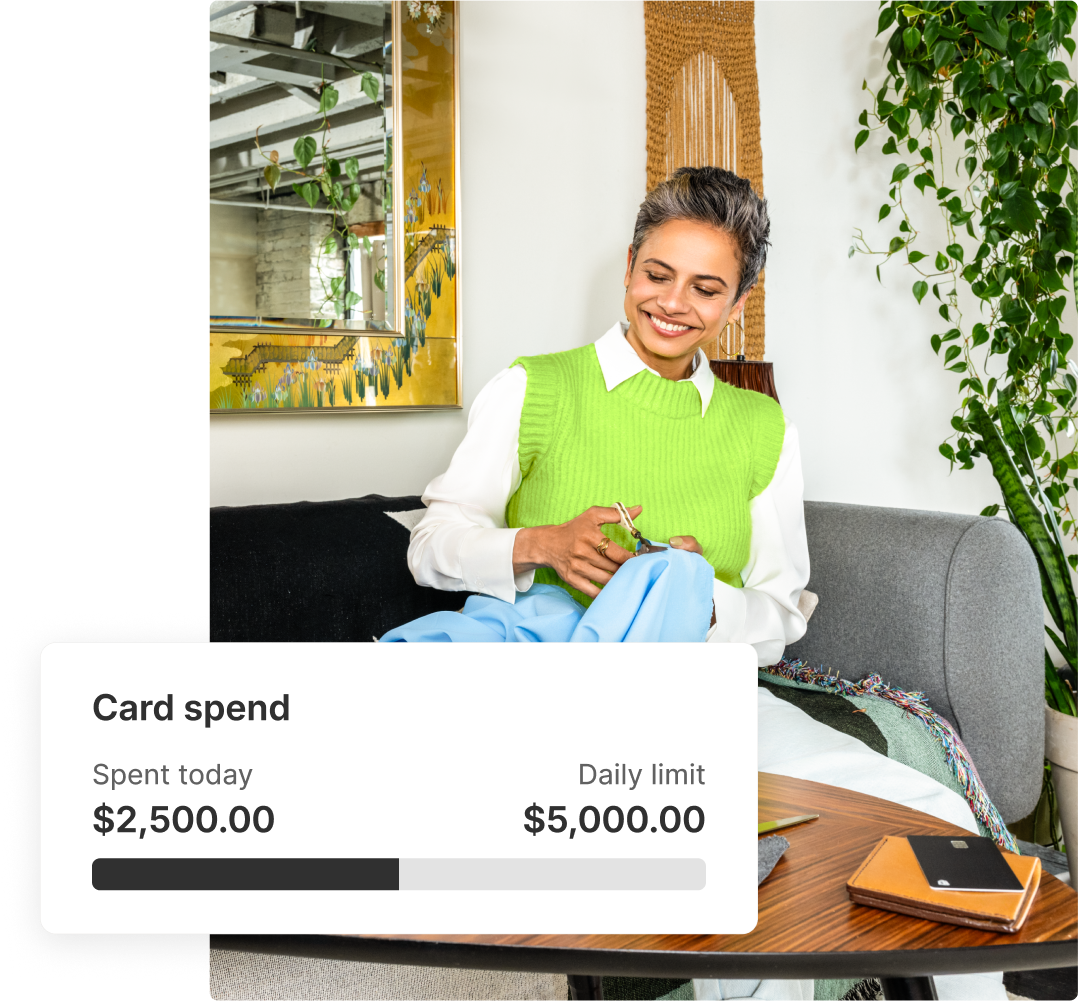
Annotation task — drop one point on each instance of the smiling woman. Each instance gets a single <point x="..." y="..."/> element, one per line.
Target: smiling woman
<point x="527" y="512"/>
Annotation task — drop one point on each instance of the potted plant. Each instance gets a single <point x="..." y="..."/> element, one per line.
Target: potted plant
<point x="983" y="86"/>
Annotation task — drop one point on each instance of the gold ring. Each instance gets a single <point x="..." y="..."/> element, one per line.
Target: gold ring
<point x="602" y="547"/>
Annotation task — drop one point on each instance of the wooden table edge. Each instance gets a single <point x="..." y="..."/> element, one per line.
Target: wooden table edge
<point x="661" y="963"/>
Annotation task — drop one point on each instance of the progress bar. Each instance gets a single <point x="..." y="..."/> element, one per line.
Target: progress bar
<point x="231" y="874"/>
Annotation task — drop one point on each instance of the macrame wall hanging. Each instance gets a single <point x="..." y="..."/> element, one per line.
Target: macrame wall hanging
<point x="703" y="109"/>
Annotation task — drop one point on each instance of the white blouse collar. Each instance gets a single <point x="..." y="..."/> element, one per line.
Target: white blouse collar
<point x="619" y="362"/>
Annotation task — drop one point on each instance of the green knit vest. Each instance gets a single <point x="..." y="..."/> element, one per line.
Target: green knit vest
<point x="643" y="442"/>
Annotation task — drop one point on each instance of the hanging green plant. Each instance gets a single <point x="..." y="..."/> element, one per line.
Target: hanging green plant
<point x="983" y="85"/>
<point x="336" y="183"/>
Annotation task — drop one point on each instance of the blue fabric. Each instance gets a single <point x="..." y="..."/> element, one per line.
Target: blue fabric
<point x="662" y="597"/>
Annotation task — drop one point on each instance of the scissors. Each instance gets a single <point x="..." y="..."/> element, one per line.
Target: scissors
<point x="643" y="545"/>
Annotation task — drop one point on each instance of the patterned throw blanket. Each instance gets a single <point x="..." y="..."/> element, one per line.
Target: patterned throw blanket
<point x="901" y="725"/>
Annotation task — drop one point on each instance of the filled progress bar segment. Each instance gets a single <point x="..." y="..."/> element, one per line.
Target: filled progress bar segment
<point x="234" y="874"/>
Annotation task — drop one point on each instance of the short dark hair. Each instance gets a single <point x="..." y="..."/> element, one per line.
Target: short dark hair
<point x="719" y="198"/>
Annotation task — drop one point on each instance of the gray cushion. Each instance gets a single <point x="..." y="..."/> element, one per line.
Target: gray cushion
<point x="942" y="603"/>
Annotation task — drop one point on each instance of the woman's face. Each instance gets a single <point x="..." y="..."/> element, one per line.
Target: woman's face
<point x="681" y="293"/>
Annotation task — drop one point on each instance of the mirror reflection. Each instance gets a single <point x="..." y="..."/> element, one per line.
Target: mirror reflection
<point x="300" y="201"/>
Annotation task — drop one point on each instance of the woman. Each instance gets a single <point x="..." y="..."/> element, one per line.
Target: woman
<point x="555" y="440"/>
<point x="525" y="516"/>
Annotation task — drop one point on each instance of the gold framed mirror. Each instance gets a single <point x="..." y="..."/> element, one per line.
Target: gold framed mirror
<point x="334" y="206"/>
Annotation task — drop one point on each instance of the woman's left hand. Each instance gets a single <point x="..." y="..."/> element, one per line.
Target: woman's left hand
<point x="687" y="543"/>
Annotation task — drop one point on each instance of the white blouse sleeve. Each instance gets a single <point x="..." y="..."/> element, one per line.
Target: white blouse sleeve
<point x="764" y="612"/>
<point x="461" y="543"/>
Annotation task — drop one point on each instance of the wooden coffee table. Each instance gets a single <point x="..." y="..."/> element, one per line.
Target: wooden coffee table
<point x="807" y="928"/>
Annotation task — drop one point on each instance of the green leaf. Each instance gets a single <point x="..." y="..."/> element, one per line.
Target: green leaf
<point x="369" y="85"/>
<point x="333" y="167"/>
<point x="1057" y="177"/>
<point x="1020" y="210"/>
<point x="885" y="211"/>
<point x="887" y="18"/>
<point x="911" y="38"/>
<point x="351" y="299"/>
<point x="380" y="280"/>
<point x="1039" y="112"/>
<point x="272" y="174"/>
<point x="862" y="119"/>
<point x="955" y="251"/>
<point x="337" y="193"/>
<point x="991" y="36"/>
<point x="943" y="53"/>
<point x="936" y="343"/>
<point x="335" y="284"/>
<point x="942" y="264"/>
<point x="861" y="139"/>
<point x="914" y="256"/>
<point x="920" y="290"/>
<point x="991" y="511"/>
<point x="1025" y="67"/>
<point x="901" y="171"/>
<point x="328" y="101"/>
<point x="951" y="354"/>
<point x="308" y="191"/>
<point x="351" y="167"/>
<point x="353" y="241"/>
<point x="304" y="150"/>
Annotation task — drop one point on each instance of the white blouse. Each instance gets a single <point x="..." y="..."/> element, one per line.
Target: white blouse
<point x="462" y="544"/>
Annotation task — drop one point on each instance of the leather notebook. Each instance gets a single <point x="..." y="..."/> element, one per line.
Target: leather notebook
<point x="891" y="879"/>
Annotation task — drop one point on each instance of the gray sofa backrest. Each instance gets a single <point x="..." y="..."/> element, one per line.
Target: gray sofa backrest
<point x="946" y="604"/>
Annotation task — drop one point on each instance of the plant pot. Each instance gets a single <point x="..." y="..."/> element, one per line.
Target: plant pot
<point x="1061" y="748"/>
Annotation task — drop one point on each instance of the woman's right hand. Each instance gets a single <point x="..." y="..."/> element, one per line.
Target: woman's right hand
<point x="571" y="549"/>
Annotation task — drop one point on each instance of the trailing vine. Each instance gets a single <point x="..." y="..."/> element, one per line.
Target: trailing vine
<point x="983" y="85"/>
<point x="336" y="183"/>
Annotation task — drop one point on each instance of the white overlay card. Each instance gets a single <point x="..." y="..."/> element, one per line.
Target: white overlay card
<point x="409" y="788"/>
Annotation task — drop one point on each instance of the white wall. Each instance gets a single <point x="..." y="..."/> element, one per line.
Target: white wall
<point x="553" y="133"/>
<point x="852" y="360"/>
